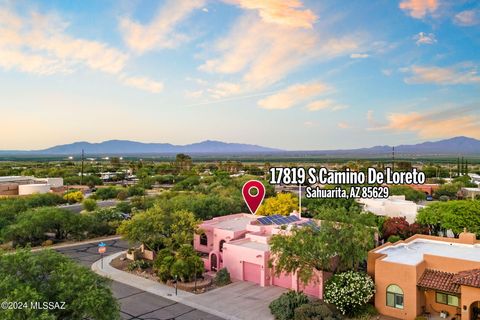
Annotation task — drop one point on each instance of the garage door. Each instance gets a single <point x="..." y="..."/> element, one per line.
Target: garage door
<point x="251" y="272"/>
<point x="283" y="280"/>
<point x="312" y="289"/>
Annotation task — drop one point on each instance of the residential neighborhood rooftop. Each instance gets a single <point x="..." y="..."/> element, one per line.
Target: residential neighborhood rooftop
<point x="247" y="243"/>
<point x="235" y="224"/>
<point x="412" y="253"/>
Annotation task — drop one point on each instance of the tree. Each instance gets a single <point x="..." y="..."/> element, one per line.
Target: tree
<point x="349" y="291"/>
<point x="282" y="203"/>
<point x="33" y="226"/>
<point x="449" y="189"/>
<point x="399" y="226"/>
<point x="452" y="215"/>
<point x="316" y="205"/>
<point x="184" y="264"/>
<point x="182" y="229"/>
<point x="306" y="249"/>
<point x="158" y="229"/>
<point x="409" y="193"/>
<point x="49" y="276"/>
<point x="183" y="162"/>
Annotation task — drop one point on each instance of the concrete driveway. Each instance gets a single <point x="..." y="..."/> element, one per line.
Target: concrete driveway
<point x="241" y="300"/>
<point x="134" y="303"/>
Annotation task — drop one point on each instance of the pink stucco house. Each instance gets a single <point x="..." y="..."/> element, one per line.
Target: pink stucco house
<point x="239" y="242"/>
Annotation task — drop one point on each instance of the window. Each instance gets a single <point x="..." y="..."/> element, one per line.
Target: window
<point x="447" y="299"/>
<point x="394" y="296"/>
<point x="203" y="239"/>
<point x="221" y="245"/>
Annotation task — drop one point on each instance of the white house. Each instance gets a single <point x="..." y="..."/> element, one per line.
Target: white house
<point x="394" y="206"/>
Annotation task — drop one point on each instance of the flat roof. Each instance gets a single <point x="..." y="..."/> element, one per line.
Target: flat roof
<point x="247" y="243"/>
<point x="234" y="224"/>
<point x="411" y="253"/>
<point x="15" y="178"/>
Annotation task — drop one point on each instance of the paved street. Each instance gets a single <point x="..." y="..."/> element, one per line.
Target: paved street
<point x="135" y="303"/>
<point x="79" y="207"/>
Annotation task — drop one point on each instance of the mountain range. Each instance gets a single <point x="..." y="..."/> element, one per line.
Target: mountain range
<point x="457" y="145"/>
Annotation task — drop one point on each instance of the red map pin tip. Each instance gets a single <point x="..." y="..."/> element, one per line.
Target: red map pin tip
<point x="254" y="200"/>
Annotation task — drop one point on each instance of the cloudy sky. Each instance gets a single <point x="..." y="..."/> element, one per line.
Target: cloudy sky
<point x="289" y="74"/>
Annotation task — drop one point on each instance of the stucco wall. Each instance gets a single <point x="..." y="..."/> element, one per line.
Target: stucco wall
<point x="406" y="277"/>
<point x="469" y="296"/>
<point x="26" y="189"/>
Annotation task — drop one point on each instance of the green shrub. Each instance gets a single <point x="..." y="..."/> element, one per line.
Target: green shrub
<point x="139" y="264"/>
<point x="122" y="195"/>
<point x="283" y="308"/>
<point x="73" y="196"/>
<point x="107" y="193"/>
<point x="124" y="207"/>
<point x="222" y="277"/>
<point x="314" y="311"/>
<point x="394" y="238"/>
<point x="135" y="191"/>
<point x="349" y="291"/>
<point x="89" y="204"/>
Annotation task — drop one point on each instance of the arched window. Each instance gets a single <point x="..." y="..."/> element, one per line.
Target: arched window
<point x="394" y="296"/>
<point x="221" y="245"/>
<point x="203" y="239"/>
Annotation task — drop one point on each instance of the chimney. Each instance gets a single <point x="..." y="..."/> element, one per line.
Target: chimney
<point x="296" y="213"/>
<point x="467" y="237"/>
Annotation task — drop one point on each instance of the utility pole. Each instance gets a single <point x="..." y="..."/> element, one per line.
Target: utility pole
<point x="83" y="158"/>
<point x="393" y="158"/>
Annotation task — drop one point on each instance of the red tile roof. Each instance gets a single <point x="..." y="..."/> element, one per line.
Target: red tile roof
<point x="438" y="280"/>
<point x="469" y="278"/>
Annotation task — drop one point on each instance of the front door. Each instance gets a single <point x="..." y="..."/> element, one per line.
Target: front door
<point x="213" y="262"/>
<point x="475" y="310"/>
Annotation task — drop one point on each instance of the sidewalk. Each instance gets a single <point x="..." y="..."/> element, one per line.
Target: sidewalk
<point x="151" y="286"/>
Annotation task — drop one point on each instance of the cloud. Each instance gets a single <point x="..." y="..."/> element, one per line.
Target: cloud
<point x="160" y="32"/>
<point x="419" y="8"/>
<point x="435" y="124"/>
<point x="263" y="53"/>
<point x="424" y="38"/>
<point x="460" y="74"/>
<point x="293" y="95"/>
<point x="224" y="89"/>
<point x="308" y="124"/>
<point x="326" y="104"/>
<point x="343" y="125"/>
<point x="359" y="55"/>
<point x="468" y="18"/>
<point x="39" y="44"/>
<point x="143" y="83"/>
<point x="387" y="72"/>
<point x="283" y="12"/>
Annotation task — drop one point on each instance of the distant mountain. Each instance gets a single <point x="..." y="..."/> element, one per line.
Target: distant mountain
<point x="453" y="146"/>
<point x="133" y="147"/>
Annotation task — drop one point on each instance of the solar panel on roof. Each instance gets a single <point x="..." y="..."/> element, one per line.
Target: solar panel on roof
<point x="292" y="218"/>
<point x="264" y="220"/>
<point x="277" y="219"/>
